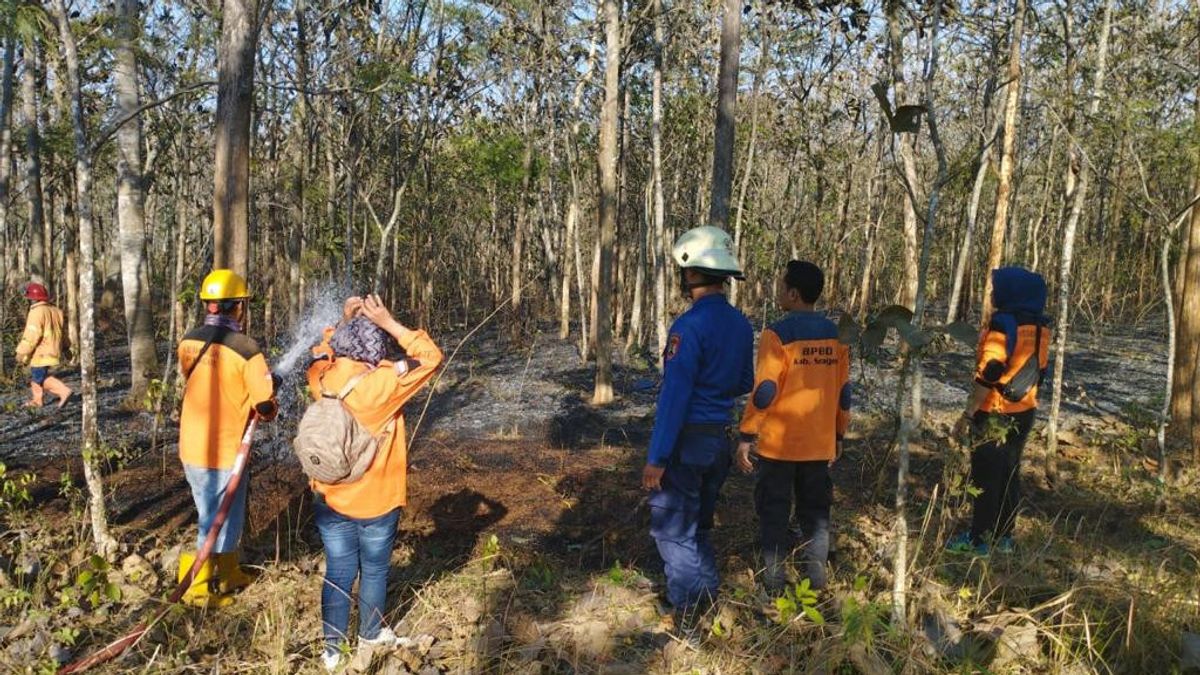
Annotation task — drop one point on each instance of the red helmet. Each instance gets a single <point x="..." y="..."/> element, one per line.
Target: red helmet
<point x="36" y="292"/>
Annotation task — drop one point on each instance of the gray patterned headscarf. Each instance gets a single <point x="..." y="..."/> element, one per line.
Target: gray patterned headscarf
<point x="361" y="340"/>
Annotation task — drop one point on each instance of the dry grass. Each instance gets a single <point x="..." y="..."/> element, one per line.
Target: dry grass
<point x="1104" y="581"/>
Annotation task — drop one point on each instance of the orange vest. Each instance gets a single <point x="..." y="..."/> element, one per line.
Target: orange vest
<point x="801" y="401"/>
<point x="378" y="398"/>
<point x="42" y="338"/>
<point x="230" y="379"/>
<point x="994" y="369"/>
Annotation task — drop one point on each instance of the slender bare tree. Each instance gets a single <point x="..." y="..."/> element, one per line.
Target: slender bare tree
<point x="607" y="156"/>
<point x="231" y="168"/>
<point x="105" y="544"/>
<point x="727" y="80"/>
<point x="131" y="206"/>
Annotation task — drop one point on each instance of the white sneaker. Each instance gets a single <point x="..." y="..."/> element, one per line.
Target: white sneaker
<point x="331" y="660"/>
<point x="386" y="638"/>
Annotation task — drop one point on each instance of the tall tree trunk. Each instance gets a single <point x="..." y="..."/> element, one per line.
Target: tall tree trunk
<point x="910" y="419"/>
<point x="1164" y="261"/>
<point x="231" y="166"/>
<point x="964" y="252"/>
<point x="131" y="198"/>
<point x="660" y="244"/>
<point x="760" y="67"/>
<point x="907" y="149"/>
<point x="571" y="240"/>
<point x="722" y="171"/>
<point x="38" y="254"/>
<point x="106" y="545"/>
<point x="6" y="100"/>
<point x="1185" y="398"/>
<point x="603" y="391"/>
<point x="1012" y="98"/>
<point x="70" y="229"/>
<point x="1068" y="250"/>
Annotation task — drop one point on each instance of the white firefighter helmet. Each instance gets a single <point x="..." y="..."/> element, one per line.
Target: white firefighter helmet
<point x="709" y="250"/>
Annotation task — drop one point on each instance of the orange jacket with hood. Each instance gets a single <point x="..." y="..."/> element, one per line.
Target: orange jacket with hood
<point x="376" y="400"/>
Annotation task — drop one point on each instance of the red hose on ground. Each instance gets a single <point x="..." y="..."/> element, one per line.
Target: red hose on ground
<point x="115" y="648"/>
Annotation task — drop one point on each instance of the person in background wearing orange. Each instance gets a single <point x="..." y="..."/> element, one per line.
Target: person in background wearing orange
<point x="794" y="423"/>
<point x="1012" y="356"/>
<point x="225" y="379"/>
<point x="41" y="346"/>
<point x="357" y="520"/>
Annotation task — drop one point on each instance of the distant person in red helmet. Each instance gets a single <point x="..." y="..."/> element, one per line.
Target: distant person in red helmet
<point x="41" y="346"/>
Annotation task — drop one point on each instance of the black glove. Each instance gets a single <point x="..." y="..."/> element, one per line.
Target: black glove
<point x="276" y="383"/>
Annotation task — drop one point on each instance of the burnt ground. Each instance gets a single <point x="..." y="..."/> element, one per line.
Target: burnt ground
<point x="509" y="446"/>
<point x="506" y="422"/>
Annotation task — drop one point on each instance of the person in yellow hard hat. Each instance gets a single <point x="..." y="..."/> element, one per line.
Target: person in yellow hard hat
<point x="225" y="378"/>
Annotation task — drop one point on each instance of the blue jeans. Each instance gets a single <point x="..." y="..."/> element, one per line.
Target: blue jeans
<point x="354" y="546"/>
<point x="208" y="488"/>
<point x="38" y="374"/>
<point x="681" y="517"/>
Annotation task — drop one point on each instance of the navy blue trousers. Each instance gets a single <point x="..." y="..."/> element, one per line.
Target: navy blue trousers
<point x="805" y="487"/>
<point x="681" y="516"/>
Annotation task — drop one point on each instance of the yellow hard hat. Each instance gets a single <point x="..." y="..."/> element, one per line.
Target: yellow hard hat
<point x="224" y="285"/>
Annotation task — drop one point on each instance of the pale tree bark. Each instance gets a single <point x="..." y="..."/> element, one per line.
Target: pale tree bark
<point x="106" y="545"/>
<point x="231" y="166"/>
<point x="964" y="252"/>
<point x="38" y="255"/>
<point x="1012" y="98"/>
<point x="727" y="80"/>
<point x="906" y="143"/>
<point x="910" y="419"/>
<point x="607" y="156"/>
<point x="131" y="209"/>
<point x="571" y="247"/>
<point x="1068" y="246"/>
<point x="6" y="101"/>
<point x="660" y="244"/>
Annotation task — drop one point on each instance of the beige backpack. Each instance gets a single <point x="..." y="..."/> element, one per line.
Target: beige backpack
<point x="332" y="446"/>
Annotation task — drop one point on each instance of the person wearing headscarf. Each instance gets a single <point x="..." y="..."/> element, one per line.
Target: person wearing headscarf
<point x="384" y="364"/>
<point x="1011" y="360"/>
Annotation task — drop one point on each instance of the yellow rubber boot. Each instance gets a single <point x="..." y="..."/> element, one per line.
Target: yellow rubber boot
<point x="200" y="593"/>
<point x="230" y="575"/>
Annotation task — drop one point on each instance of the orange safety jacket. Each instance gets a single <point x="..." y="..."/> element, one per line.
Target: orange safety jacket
<point x="42" y="339"/>
<point x="994" y="368"/>
<point x="375" y="400"/>
<point x="230" y="379"/>
<point x="801" y="401"/>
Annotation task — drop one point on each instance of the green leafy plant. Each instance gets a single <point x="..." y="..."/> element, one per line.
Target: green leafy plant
<point x="798" y="600"/>
<point x="92" y="585"/>
<point x="71" y="493"/>
<point x="155" y="389"/>
<point x="861" y="618"/>
<point x="14" y="490"/>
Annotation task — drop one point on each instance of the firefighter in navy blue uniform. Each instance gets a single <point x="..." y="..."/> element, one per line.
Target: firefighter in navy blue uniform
<point x="707" y="363"/>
